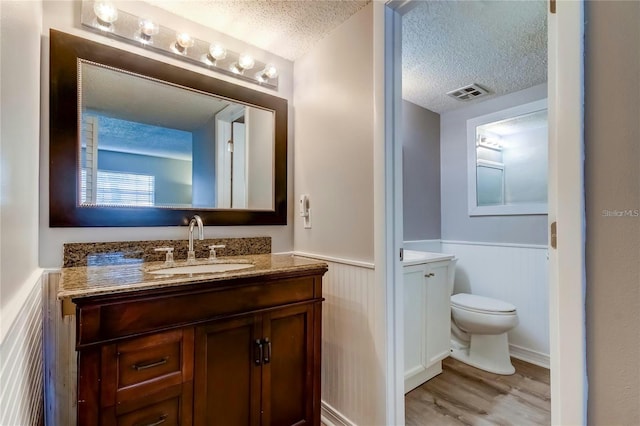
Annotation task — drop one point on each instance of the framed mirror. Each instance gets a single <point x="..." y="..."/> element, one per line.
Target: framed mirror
<point x="137" y="142"/>
<point x="507" y="161"/>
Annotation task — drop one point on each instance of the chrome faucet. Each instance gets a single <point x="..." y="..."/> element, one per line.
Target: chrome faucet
<point x="195" y="220"/>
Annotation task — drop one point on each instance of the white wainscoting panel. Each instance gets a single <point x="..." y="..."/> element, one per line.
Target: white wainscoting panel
<point x="514" y="273"/>
<point x="352" y="320"/>
<point x="60" y="358"/>
<point x="21" y="397"/>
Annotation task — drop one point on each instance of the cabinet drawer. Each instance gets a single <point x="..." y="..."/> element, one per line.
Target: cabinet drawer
<point x="164" y="413"/>
<point x="144" y="365"/>
<point x="146" y="359"/>
<point x="168" y="407"/>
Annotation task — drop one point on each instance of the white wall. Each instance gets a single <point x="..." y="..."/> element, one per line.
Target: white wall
<point x="525" y="166"/>
<point x="20" y="105"/>
<point x="204" y="164"/>
<point x="456" y="222"/>
<point x="20" y="296"/>
<point x="334" y="97"/>
<point x="612" y="181"/>
<point x="333" y="101"/>
<point x="260" y="134"/>
<point x="65" y="16"/>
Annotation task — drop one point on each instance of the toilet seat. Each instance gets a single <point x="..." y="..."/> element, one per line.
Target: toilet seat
<point x="481" y="304"/>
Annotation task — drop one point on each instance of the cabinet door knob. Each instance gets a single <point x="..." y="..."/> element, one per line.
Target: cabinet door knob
<point x="258" y="353"/>
<point x="267" y="357"/>
<point x="430" y="274"/>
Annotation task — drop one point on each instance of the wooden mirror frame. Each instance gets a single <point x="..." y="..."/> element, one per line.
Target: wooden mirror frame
<point x="64" y="136"/>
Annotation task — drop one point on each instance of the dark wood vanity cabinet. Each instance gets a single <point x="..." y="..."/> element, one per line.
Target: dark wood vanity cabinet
<point x="237" y="352"/>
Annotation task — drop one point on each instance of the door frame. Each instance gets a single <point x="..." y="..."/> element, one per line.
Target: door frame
<point x="566" y="207"/>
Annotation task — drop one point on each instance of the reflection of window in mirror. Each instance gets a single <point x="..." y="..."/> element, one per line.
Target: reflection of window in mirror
<point x="508" y="153"/>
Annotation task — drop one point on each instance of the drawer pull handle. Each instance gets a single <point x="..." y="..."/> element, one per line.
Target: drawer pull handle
<point x="161" y="419"/>
<point x="430" y="274"/>
<point x="140" y="367"/>
<point x="267" y="357"/>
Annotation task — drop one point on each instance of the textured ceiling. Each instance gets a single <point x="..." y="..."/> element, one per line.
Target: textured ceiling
<point x="286" y="28"/>
<point x="500" y="45"/>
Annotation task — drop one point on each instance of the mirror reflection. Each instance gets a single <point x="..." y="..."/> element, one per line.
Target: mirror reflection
<point x="511" y="160"/>
<point x="508" y="161"/>
<point x="148" y="143"/>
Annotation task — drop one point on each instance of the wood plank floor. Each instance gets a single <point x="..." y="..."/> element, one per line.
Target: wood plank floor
<point x="464" y="395"/>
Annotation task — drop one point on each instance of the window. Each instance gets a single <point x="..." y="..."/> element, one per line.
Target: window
<point x="120" y="189"/>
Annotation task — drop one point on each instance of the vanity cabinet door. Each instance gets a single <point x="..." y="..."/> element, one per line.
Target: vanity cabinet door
<point x="261" y="369"/>
<point x="438" y="324"/>
<point x="292" y="361"/>
<point x="415" y="334"/>
<point x="228" y="369"/>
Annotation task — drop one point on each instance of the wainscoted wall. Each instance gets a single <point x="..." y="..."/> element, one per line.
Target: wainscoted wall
<point x="351" y="367"/>
<point x="517" y="274"/>
<point x="60" y="363"/>
<point x="21" y="365"/>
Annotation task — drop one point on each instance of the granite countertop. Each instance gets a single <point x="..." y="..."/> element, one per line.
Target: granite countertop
<point x="86" y="281"/>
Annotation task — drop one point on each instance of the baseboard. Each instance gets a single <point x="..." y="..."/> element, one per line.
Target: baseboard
<point x="532" y="357"/>
<point x="332" y="417"/>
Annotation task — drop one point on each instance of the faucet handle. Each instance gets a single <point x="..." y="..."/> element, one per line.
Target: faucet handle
<point x="169" y="257"/>
<point x="212" y="252"/>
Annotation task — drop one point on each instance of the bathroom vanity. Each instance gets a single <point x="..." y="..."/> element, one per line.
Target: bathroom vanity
<point x="428" y="280"/>
<point x="239" y="347"/>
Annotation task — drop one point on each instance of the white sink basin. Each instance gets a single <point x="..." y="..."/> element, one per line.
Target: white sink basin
<point x="202" y="269"/>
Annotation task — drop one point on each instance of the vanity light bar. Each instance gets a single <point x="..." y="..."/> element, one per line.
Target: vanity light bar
<point x="104" y="18"/>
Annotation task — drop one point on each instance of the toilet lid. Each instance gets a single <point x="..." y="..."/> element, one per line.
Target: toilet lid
<point x="481" y="303"/>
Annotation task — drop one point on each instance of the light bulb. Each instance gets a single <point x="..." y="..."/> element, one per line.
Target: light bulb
<point x="217" y="51"/>
<point x="246" y="62"/>
<point x="183" y="42"/>
<point x="269" y="71"/>
<point x="106" y="13"/>
<point x="147" y="30"/>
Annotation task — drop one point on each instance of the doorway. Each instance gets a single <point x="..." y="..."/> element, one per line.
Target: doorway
<point x="566" y="264"/>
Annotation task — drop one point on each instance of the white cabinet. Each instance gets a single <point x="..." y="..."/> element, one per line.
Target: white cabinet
<point x="427" y="318"/>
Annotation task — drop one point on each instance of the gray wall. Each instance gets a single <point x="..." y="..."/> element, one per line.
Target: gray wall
<point x="421" y="172"/>
<point x="457" y="225"/>
<point x="612" y="174"/>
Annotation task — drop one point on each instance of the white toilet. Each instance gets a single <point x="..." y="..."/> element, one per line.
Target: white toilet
<point x="479" y="327"/>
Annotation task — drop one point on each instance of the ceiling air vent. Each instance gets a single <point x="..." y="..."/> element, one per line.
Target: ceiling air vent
<point x="467" y="93"/>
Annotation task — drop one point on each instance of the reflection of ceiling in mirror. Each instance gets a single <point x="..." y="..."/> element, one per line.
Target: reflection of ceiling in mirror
<point x="519" y="124"/>
<point x="128" y="97"/>
<point x="137" y="138"/>
<point x="500" y="45"/>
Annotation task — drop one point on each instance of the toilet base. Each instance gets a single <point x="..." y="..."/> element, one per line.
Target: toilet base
<point x="486" y="352"/>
